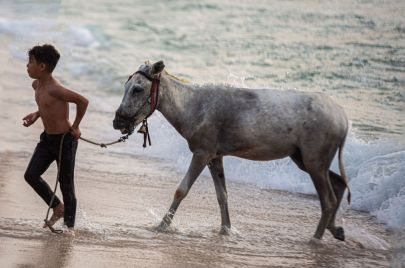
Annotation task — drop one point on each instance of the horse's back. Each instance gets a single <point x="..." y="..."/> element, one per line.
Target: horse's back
<point x="247" y="121"/>
<point x="279" y="107"/>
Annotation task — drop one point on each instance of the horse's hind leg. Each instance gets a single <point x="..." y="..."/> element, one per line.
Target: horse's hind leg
<point x="338" y="188"/>
<point x="217" y="171"/>
<point x="327" y="198"/>
<point x="330" y="192"/>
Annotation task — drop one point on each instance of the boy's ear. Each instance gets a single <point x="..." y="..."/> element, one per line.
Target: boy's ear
<point x="157" y="67"/>
<point x="42" y="66"/>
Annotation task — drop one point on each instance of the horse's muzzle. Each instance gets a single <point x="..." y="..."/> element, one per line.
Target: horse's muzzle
<point x="125" y="125"/>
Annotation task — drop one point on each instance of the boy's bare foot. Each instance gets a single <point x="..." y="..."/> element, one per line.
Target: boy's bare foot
<point x="58" y="213"/>
<point x="69" y="232"/>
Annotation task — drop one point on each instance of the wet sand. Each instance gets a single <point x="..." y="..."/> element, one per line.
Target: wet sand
<point x="122" y="197"/>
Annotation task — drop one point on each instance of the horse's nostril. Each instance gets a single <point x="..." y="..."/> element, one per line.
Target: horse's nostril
<point x="118" y="124"/>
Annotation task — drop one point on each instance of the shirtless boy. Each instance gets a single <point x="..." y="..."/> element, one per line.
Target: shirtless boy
<point x="53" y="108"/>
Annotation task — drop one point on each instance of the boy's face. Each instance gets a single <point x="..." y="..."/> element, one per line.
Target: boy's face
<point x="35" y="69"/>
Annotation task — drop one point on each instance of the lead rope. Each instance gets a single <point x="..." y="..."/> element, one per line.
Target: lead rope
<point x="104" y="145"/>
<point x="56" y="231"/>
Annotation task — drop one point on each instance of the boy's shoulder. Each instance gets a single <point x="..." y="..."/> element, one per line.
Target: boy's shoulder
<point x="56" y="89"/>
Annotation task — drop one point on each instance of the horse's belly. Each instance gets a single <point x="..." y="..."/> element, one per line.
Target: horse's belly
<point x="263" y="153"/>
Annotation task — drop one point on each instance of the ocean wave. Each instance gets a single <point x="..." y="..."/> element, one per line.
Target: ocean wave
<point x="48" y="30"/>
<point x="82" y="37"/>
<point x="379" y="187"/>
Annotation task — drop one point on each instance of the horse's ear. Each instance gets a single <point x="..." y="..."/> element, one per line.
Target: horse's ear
<point x="157" y="67"/>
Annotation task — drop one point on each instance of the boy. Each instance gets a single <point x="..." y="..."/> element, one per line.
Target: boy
<point x="53" y="108"/>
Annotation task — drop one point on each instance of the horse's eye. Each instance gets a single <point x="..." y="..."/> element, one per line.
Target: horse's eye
<point x="137" y="89"/>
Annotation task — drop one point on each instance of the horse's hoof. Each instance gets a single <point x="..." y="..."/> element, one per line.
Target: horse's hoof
<point x="315" y="242"/>
<point x="225" y="230"/>
<point x="162" y="227"/>
<point x="339" y="233"/>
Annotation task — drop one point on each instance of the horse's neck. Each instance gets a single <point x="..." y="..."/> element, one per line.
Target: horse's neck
<point x="173" y="99"/>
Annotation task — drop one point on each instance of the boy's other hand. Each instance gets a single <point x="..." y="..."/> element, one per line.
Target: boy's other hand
<point x="75" y="131"/>
<point x="30" y="119"/>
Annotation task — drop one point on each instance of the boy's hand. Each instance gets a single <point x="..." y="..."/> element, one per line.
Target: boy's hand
<point x="30" y="119"/>
<point x="75" y="131"/>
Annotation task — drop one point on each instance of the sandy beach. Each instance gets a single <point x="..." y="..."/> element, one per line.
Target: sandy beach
<point x="122" y="197"/>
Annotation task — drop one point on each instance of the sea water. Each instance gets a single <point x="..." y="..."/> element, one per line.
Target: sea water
<point x="354" y="51"/>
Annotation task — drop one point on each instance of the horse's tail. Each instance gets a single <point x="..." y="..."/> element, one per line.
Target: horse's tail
<point x="342" y="170"/>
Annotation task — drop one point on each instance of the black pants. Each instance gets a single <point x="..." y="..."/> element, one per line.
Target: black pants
<point x="45" y="153"/>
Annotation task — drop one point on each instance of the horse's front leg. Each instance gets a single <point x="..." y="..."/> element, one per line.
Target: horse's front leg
<point x="198" y="162"/>
<point x="217" y="171"/>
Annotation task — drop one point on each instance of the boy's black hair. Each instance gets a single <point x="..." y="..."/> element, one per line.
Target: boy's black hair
<point x="46" y="54"/>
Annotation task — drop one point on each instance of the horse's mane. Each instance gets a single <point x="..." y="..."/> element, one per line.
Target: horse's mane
<point x="176" y="78"/>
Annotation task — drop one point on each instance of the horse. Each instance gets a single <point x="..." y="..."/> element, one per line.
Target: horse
<point x="254" y="124"/>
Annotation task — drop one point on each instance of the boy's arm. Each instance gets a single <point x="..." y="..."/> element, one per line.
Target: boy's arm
<point x="30" y="119"/>
<point x="81" y="106"/>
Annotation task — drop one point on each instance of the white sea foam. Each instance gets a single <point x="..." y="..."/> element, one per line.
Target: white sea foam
<point x="81" y="36"/>
<point x="27" y="33"/>
<point x="379" y="187"/>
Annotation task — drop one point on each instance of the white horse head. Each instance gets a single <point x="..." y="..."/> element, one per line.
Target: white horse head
<point x="137" y="103"/>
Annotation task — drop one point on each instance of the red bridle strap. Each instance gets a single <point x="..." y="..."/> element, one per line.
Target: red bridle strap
<point x="154" y="94"/>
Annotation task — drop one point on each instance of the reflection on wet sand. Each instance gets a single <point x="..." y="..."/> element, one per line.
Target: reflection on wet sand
<point x="56" y="251"/>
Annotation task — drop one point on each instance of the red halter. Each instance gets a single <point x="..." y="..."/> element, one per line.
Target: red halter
<point x="153" y="96"/>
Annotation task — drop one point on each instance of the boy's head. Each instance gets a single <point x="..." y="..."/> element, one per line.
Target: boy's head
<point x="46" y="55"/>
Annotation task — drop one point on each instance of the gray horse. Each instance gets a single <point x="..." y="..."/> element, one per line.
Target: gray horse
<point x="219" y="120"/>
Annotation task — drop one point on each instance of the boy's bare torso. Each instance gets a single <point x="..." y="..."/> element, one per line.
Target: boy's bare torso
<point x="54" y="112"/>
